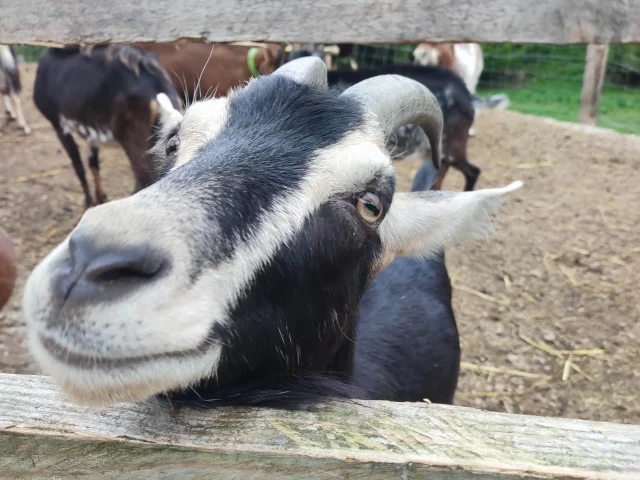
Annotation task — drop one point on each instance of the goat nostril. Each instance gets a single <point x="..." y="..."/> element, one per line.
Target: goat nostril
<point x="129" y="263"/>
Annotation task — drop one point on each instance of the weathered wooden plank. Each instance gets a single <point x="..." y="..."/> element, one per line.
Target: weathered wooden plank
<point x="595" y="69"/>
<point x="360" y="21"/>
<point x="42" y="436"/>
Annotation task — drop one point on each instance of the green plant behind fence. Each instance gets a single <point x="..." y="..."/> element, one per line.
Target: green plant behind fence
<point x="31" y="53"/>
<point x="540" y="80"/>
<point x="545" y="80"/>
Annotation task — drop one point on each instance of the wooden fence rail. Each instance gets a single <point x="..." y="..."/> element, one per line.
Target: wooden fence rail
<point x="42" y="436"/>
<point x="356" y="21"/>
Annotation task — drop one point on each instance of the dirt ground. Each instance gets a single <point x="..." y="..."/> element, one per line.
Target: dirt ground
<point x="547" y="306"/>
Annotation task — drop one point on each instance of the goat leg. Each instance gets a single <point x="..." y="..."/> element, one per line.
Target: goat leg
<point x="71" y="148"/>
<point x="470" y="171"/>
<point x="9" y="110"/>
<point x="20" y="115"/>
<point x="442" y="172"/>
<point x="94" y="165"/>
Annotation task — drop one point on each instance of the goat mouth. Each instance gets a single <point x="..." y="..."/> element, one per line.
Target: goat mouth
<point x="85" y="361"/>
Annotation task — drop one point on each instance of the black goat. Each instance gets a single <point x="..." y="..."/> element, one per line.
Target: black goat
<point x="407" y="346"/>
<point x="10" y="87"/>
<point x="458" y="109"/>
<point x="104" y="94"/>
<point x="239" y="274"/>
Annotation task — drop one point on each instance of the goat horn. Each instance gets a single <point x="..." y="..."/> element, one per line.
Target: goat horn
<point x="310" y="71"/>
<point x="398" y="101"/>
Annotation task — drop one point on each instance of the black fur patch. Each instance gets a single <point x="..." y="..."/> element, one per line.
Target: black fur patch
<point x="435" y="78"/>
<point x="285" y="392"/>
<point x="407" y="339"/>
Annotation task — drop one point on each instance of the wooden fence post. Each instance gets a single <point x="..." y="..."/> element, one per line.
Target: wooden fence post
<point x="594" y="72"/>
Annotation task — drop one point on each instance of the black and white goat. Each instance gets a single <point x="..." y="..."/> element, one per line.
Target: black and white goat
<point x="104" y="94"/>
<point x="238" y="275"/>
<point x="458" y="109"/>
<point x="10" y="87"/>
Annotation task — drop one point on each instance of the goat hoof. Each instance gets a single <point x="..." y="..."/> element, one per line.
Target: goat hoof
<point x="27" y="130"/>
<point x="102" y="198"/>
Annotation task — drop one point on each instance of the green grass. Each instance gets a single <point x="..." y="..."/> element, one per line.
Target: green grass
<point x="619" y="106"/>
<point x="554" y="79"/>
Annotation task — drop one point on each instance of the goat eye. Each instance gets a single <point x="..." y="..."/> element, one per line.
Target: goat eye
<point x="172" y="145"/>
<point x="369" y="207"/>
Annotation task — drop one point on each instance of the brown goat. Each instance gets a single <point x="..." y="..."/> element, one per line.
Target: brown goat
<point x="203" y="69"/>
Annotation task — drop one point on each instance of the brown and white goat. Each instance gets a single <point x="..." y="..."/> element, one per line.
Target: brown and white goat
<point x="10" y="88"/>
<point x="237" y="276"/>
<point x="103" y="94"/>
<point x="465" y="59"/>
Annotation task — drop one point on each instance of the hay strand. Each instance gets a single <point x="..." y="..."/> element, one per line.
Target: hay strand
<point x="484" y="296"/>
<point x="528" y="297"/>
<point x="566" y="371"/>
<point x="581" y="251"/>
<point x="525" y="166"/>
<point x="541" y="346"/>
<point x="591" y="352"/>
<point x="36" y="175"/>
<point x="580" y="371"/>
<point x="505" y="371"/>
<point x="569" y="275"/>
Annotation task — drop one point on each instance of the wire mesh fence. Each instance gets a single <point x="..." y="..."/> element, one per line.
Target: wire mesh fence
<point x="543" y="80"/>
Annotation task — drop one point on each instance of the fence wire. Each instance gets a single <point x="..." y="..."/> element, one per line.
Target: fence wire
<point x="543" y="80"/>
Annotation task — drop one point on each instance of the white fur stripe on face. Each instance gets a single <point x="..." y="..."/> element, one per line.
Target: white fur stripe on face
<point x="200" y="126"/>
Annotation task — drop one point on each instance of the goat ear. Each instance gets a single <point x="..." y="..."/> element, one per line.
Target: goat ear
<point x="169" y="116"/>
<point x="423" y="223"/>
